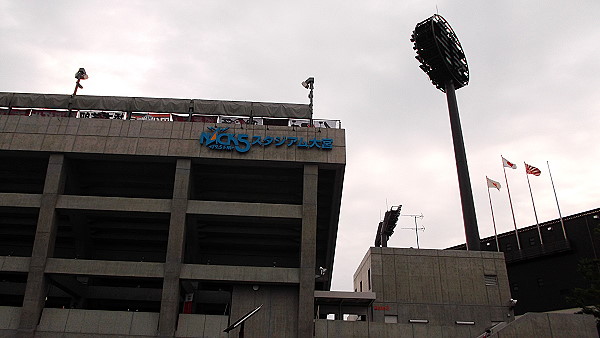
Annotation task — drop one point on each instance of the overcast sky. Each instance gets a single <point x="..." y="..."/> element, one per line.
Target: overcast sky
<point x="533" y="94"/>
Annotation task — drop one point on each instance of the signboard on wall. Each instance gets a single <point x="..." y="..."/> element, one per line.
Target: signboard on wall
<point x="151" y="116"/>
<point x="241" y="120"/>
<point x="219" y="139"/>
<point x="94" y="114"/>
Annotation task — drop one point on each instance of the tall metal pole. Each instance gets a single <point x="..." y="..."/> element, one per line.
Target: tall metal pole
<point x="384" y="237"/>
<point x="511" y="207"/>
<point x="310" y="96"/>
<point x="493" y="219"/>
<point x="464" y="182"/>
<point x="562" y="223"/>
<point x="310" y="84"/>
<point x="537" y="222"/>
<point x="80" y="75"/>
<point x="77" y="86"/>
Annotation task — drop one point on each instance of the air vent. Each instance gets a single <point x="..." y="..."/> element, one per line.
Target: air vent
<point x="491" y="280"/>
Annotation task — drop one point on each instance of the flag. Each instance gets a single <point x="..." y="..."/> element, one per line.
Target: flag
<point x="493" y="184"/>
<point x="532" y="170"/>
<point x="509" y="164"/>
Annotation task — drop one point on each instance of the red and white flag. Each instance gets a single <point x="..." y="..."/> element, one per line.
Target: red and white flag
<point x="532" y="170"/>
<point x="509" y="164"/>
<point x="493" y="184"/>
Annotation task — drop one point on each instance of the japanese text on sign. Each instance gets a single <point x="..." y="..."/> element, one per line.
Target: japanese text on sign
<point x="218" y="139"/>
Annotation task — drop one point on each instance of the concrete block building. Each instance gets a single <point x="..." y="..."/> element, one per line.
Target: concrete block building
<point x="118" y="226"/>
<point x="460" y="293"/>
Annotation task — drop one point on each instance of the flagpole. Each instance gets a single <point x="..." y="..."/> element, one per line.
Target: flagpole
<point x="493" y="220"/>
<point x="511" y="206"/>
<point x="537" y="222"/>
<point x="562" y="224"/>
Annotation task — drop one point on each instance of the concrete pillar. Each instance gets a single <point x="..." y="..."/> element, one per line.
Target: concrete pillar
<point x="308" y="252"/>
<point x="43" y="247"/>
<point x="169" y="306"/>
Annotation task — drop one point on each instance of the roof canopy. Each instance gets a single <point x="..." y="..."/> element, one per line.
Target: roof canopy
<point x="158" y="105"/>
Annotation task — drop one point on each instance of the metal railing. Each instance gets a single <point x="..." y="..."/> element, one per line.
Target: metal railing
<point x="173" y="117"/>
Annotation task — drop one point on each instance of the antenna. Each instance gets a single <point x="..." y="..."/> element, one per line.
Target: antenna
<point x="416" y="228"/>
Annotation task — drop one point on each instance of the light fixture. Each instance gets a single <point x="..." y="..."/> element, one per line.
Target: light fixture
<point x="80" y="75"/>
<point x="460" y="322"/>
<point x="308" y="83"/>
<point x="418" y="321"/>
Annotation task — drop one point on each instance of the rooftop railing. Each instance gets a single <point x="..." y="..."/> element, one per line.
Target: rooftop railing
<point x="174" y="117"/>
<point x="162" y="109"/>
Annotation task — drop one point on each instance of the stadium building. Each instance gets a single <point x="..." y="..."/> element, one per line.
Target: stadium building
<point x="148" y="217"/>
<point x="120" y="224"/>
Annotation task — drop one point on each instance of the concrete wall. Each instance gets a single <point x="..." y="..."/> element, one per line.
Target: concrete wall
<point x="158" y="138"/>
<point x="361" y="276"/>
<point x="208" y="326"/>
<point x="77" y="321"/>
<point x="440" y="286"/>
<point x="9" y="320"/>
<point x="278" y="316"/>
<point x="337" y="328"/>
<point x="551" y="325"/>
<point x="548" y="325"/>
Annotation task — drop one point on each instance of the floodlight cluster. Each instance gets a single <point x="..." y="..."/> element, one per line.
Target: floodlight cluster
<point x="387" y="226"/>
<point x="440" y="53"/>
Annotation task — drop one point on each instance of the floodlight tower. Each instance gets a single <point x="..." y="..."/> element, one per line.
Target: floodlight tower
<point x="443" y="60"/>
<point x="387" y="226"/>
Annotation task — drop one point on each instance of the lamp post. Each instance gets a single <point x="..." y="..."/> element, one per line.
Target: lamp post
<point x="310" y="84"/>
<point x="80" y="75"/>
<point x="443" y="60"/>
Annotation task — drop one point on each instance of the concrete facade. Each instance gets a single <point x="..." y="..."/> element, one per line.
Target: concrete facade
<point x="552" y="325"/>
<point x="156" y="138"/>
<point x="444" y="293"/>
<point x="235" y="230"/>
<point x="450" y="291"/>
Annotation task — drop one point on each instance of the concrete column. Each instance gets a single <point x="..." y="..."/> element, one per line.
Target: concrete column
<point x="43" y="247"/>
<point x="169" y="306"/>
<point x="308" y="252"/>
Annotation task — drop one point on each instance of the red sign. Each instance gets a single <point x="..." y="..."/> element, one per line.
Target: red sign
<point x="381" y="308"/>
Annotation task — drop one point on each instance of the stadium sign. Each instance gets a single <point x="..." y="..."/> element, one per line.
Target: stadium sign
<point x="219" y="139"/>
